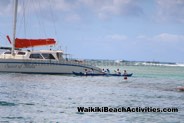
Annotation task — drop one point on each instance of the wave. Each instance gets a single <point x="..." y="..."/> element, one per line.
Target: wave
<point x="132" y="63"/>
<point x="162" y="64"/>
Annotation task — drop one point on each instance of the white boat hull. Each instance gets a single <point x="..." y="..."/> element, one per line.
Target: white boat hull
<point x="42" y="67"/>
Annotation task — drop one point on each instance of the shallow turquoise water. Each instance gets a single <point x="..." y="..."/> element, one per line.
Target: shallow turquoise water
<point x="51" y="98"/>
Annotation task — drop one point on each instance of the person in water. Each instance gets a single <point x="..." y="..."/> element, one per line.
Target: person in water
<point x="108" y="71"/>
<point x="85" y="71"/>
<point x="92" y="71"/>
<point x="118" y="72"/>
<point x="125" y="73"/>
<point x="103" y="71"/>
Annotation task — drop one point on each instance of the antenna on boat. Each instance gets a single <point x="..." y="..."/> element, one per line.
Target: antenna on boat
<point x="14" y="26"/>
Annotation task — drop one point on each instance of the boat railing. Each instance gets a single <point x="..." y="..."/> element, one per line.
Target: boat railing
<point x="54" y="62"/>
<point x="48" y="61"/>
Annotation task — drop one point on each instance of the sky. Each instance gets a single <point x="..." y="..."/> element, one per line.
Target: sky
<point x="136" y="30"/>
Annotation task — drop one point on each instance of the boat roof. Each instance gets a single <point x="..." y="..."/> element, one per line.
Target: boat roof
<point x="25" y="54"/>
<point x="37" y="51"/>
<point x="46" y="51"/>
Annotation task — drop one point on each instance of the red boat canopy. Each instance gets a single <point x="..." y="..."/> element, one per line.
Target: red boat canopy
<point x="24" y="43"/>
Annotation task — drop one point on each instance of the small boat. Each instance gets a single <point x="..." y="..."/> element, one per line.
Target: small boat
<point x="100" y="74"/>
<point x="88" y="74"/>
<point x="127" y="75"/>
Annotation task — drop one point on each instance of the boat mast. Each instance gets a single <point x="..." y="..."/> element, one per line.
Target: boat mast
<point x="14" y="26"/>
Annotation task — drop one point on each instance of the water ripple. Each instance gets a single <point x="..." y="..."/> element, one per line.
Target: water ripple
<point x="4" y="103"/>
<point x="44" y="98"/>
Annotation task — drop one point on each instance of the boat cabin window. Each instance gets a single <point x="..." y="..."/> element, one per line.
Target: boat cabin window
<point x="21" y="53"/>
<point x="59" y="55"/>
<point x="7" y="53"/>
<point x="36" y="56"/>
<point x="48" y="56"/>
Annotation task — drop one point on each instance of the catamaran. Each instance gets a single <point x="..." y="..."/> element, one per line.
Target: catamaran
<point x="17" y="60"/>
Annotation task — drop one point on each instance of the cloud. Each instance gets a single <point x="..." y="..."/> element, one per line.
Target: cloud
<point x="5" y="7"/>
<point x="40" y="5"/>
<point x="101" y="8"/>
<point x="116" y="37"/>
<point x="163" y="37"/>
<point x="59" y="5"/>
<point x="73" y="18"/>
<point x="141" y="37"/>
<point x="170" y="10"/>
<point x="166" y="37"/>
<point x="165" y="10"/>
<point x="108" y="8"/>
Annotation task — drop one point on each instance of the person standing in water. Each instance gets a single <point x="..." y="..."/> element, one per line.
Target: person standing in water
<point x="125" y="73"/>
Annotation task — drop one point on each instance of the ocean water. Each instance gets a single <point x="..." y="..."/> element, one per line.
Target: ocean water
<point x="54" y="98"/>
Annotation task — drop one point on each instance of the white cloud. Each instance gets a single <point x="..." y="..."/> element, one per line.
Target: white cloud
<point x="39" y="5"/>
<point x="107" y="8"/>
<point x="60" y="5"/>
<point x="116" y="37"/>
<point x="102" y="8"/>
<point x="166" y="10"/>
<point x="141" y="37"/>
<point x="5" y="7"/>
<point x="170" y="10"/>
<point x="163" y="37"/>
<point x="166" y="37"/>
<point x="73" y="18"/>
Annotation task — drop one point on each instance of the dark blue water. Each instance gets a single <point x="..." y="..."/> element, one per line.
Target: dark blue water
<point x="53" y="98"/>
